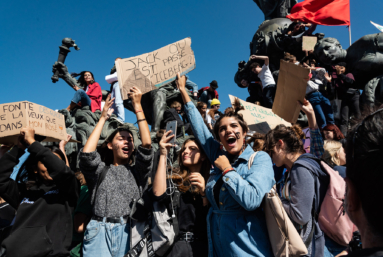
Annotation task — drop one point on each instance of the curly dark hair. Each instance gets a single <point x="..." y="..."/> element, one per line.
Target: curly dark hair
<point x="232" y="113"/>
<point x="291" y="136"/>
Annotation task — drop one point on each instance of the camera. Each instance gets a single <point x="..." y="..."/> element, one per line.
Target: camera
<point x="241" y="64"/>
<point x="356" y="242"/>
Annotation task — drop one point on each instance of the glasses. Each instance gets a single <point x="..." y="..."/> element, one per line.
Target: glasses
<point x="356" y="135"/>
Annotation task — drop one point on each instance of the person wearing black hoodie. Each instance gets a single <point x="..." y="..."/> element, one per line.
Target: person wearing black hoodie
<point x="43" y="224"/>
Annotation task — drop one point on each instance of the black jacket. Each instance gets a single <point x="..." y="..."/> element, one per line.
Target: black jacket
<point x="170" y="115"/>
<point x="43" y="224"/>
<point x="369" y="252"/>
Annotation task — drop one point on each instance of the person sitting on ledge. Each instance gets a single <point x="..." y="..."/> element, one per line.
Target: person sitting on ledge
<point x="91" y="95"/>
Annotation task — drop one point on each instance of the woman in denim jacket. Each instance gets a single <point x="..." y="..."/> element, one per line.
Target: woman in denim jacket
<point x="236" y="222"/>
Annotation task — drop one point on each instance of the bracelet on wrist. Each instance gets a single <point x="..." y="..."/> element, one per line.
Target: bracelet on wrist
<point x="140" y="120"/>
<point x="138" y="111"/>
<point x="227" y="171"/>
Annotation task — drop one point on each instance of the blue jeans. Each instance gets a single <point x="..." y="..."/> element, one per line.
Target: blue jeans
<point x="191" y="86"/>
<point x="118" y="104"/>
<point x="322" y="108"/>
<point x="81" y="96"/>
<point x="106" y="239"/>
<point x="268" y="95"/>
<point x="205" y="98"/>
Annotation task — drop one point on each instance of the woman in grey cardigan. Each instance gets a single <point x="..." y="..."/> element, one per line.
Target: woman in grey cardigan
<point x="107" y="234"/>
<point x="305" y="183"/>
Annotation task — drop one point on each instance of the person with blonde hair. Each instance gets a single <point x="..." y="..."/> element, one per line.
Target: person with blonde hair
<point x="335" y="156"/>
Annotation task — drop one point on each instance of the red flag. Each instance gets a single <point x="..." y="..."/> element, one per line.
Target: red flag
<point x="322" y="12"/>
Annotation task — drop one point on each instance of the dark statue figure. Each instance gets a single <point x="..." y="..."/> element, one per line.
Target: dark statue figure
<point x="64" y="50"/>
<point x="156" y="102"/>
<point x="364" y="57"/>
<point x="364" y="60"/>
<point x="275" y="8"/>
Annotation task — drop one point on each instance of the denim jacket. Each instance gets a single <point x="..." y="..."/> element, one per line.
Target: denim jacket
<point x="237" y="226"/>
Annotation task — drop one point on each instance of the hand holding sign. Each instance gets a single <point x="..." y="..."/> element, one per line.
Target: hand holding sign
<point x="181" y="82"/>
<point x="135" y="95"/>
<point x="27" y="135"/>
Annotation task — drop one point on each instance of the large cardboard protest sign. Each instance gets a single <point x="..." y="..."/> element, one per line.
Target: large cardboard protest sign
<point x="17" y="115"/>
<point x="258" y="118"/>
<point x="152" y="70"/>
<point x="308" y="43"/>
<point x="291" y="88"/>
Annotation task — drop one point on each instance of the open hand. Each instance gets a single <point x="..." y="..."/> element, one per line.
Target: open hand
<point x="197" y="180"/>
<point x="222" y="162"/>
<point x="107" y="111"/>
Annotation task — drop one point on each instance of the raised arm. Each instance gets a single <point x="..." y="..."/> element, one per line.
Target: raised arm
<point x="159" y="183"/>
<point x="92" y="142"/>
<point x="135" y="95"/>
<point x="201" y="132"/>
<point x="307" y="108"/>
<point x="61" y="174"/>
<point x="316" y="139"/>
<point x="62" y="145"/>
<point x="261" y="57"/>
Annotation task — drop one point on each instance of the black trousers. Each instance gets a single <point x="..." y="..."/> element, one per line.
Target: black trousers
<point x="268" y="95"/>
<point x="349" y="107"/>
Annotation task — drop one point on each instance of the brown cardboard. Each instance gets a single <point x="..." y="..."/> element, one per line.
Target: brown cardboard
<point x="291" y="88"/>
<point x="17" y="115"/>
<point x="152" y="70"/>
<point x="258" y="118"/>
<point x="308" y="43"/>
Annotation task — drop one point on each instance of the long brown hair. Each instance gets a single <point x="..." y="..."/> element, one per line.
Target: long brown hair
<point x="212" y="113"/>
<point x="181" y="176"/>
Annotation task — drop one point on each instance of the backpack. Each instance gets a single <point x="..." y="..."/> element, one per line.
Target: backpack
<point x="152" y="229"/>
<point x="332" y="219"/>
<point x="284" y="238"/>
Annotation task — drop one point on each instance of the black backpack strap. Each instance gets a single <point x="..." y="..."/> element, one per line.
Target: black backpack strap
<point x="176" y="203"/>
<point x="101" y="178"/>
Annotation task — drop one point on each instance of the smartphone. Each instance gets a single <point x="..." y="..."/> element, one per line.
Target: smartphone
<point x="172" y="125"/>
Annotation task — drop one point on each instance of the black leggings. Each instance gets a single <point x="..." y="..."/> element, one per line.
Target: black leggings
<point x="349" y="107"/>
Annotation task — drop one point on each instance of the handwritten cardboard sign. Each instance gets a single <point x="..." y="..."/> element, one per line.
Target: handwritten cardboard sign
<point x="152" y="70"/>
<point x="17" y="115"/>
<point x="258" y="118"/>
<point x="308" y="43"/>
<point x="291" y="88"/>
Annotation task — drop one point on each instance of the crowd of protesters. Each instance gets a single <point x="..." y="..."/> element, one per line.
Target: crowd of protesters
<point x="213" y="190"/>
